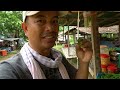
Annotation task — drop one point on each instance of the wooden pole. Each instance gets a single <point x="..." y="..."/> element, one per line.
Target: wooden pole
<point x="78" y="20"/>
<point x="68" y="42"/>
<point x="119" y="32"/>
<point x="63" y="34"/>
<point x="95" y="43"/>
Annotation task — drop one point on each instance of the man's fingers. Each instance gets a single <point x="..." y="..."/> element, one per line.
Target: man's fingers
<point x="86" y="44"/>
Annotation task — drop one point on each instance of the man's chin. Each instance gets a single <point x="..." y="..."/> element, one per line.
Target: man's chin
<point x="50" y="45"/>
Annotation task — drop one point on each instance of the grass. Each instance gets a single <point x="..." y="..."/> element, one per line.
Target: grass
<point x="58" y="47"/>
<point x="10" y="54"/>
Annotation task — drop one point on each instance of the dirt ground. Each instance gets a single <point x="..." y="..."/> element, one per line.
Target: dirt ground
<point x="8" y="55"/>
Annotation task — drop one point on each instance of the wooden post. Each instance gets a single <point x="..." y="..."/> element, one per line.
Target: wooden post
<point x="63" y="34"/>
<point x="119" y="32"/>
<point x="78" y="20"/>
<point x="68" y="42"/>
<point x="95" y="43"/>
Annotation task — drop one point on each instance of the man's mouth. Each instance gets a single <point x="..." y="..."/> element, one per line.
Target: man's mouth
<point x="49" y="37"/>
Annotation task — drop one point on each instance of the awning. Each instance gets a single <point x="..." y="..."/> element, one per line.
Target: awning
<point x="10" y="39"/>
<point x="1" y="40"/>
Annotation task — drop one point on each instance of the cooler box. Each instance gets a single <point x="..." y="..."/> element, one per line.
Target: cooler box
<point x="3" y="52"/>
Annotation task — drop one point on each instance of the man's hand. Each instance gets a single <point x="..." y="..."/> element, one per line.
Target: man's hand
<point x="84" y="51"/>
<point x="84" y="54"/>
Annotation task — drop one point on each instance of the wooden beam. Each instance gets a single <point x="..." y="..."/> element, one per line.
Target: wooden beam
<point x="72" y="21"/>
<point x="117" y="22"/>
<point x="65" y="22"/>
<point x="100" y="14"/>
<point x="108" y="19"/>
<point x="111" y="18"/>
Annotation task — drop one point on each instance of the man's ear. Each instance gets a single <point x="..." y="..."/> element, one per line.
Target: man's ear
<point x="24" y="27"/>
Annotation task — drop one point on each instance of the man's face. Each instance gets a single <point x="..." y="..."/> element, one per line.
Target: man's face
<point x="42" y="29"/>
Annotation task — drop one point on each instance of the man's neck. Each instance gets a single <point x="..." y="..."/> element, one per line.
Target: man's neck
<point x="46" y="52"/>
<point x="42" y="51"/>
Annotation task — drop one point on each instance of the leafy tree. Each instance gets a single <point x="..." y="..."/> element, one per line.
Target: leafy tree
<point x="10" y="24"/>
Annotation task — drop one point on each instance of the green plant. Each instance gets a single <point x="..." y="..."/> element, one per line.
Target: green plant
<point x="109" y="76"/>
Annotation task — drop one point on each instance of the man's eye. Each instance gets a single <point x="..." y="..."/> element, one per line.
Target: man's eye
<point x="41" y="21"/>
<point x="55" y="21"/>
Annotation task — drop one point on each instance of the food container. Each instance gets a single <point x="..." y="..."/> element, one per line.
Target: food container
<point x="104" y="68"/>
<point x="104" y="49"/>
<point x="112" y="69"/>
<point x="105" y="59"/>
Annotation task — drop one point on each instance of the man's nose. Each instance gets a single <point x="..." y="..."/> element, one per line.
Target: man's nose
<point x="49" y="27"/>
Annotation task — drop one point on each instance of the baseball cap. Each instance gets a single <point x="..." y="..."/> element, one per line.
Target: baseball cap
<point x="30" y="13"/>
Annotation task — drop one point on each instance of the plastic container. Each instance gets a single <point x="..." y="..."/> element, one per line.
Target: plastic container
<point x="65" y="45"/>
<point x="104" y="49"/>
<point x="104" y="68"/>
<point x="112" y="69"/>
<point x="3" y="52"/>
<point x="105" y="59"/>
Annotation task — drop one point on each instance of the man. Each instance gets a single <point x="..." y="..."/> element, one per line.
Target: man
<point x="37" y="59"/>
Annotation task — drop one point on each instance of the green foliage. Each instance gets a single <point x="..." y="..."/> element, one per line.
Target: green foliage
<point x="65" y="28"/>
<point x="10" y="24"/>
<point x="71" y="40"/>
<point x="104" y="35"/>
<point x="109" y="36"/>
<point x="109" y="76"/>
<point x="58" y="47"/>
<point x="111" y="49"/>
<point x="80" y="41"/>
<point x="60" y="28"/>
